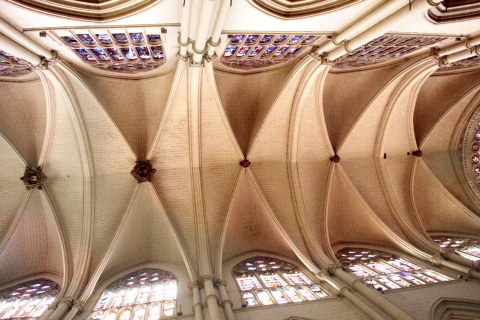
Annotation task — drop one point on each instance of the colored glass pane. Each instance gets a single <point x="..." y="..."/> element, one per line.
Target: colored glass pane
<point x="361" y="272"/>
<point x="306" y="294"/>
<point x="96" y="316"/>
<point x="242" y="51"/>
<point x="139" y="313"/>
<point x="408" y="276"/>
<point x="154" y="311"/>
<point x="272" y="280"/>
<point x="153" y="38"/>
<point x="249" y="299"/>
<point x="157" y="292"/>
<point x="266" y="38"/>
<point x="255" y="51"/>
<point x="403" y="265"/>
<point x="264" y="297"/>
<point x="236" y="38"/>
<point x="86" y="39"/>
<point x="118" y="299"/>
<point x="86" y="56"/>
<point x="130" y="296"/>
<point x="280" y="39"/>
<point x="14" y="308"/>
<point x="144" y="294"/>
<point x="279" y="296"/>
<point x="40" y="309"/>
<point x="248" y="283"/>
<point x="120" y="38"/>
<point x="111" y="315"/>
<point x="143" y="53"/>
<point x="157" y="52"/>
<point x="115" y="54"/>
<point x="292" y="294"/>
<point x="129" y="53"/>
<point x="251" y="38"/>
<point x="100" y="54"/>
<point x="297" y="278"/>
<point x="5" y="305"/>
<point x="295" y="39"/>
<point x="281" y="51"/>
<point x="125" y="314"/>
<point x="137" y="37"/>
<point x="168" y="308"/>
<point x="171" y="290"/>
<point x="104" y="38"/>
<point x="104" y="300"/>
<point x="28" y="307"/>
<point x="399" y="280"/>
<point x="309" y="39"/>
<point x="71" y="41"/>
<point x="387" y="282"/>
<point x="381" y="267"/>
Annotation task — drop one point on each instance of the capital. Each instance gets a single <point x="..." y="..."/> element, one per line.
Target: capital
<point x="220" y="282"/>
<point x="79" y="305"/>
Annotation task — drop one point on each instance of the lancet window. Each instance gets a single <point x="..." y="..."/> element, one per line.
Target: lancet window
<point x="385" y="271"/>
<point x="148" y="294"/>
<point x="467" y="248"/>
<point x="27" y="300"/>
<point x="247" y="51"/>
<point x="118" y="50"/>
<point x="267" y="281"/>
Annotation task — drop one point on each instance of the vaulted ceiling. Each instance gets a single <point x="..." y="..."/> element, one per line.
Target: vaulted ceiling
<point x="86" y="127"/>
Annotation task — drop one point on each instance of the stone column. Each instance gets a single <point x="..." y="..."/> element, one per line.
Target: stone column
<point x="197" y="305"/>
<point x="211" y="298"/>
<point x="227" y="303"/>
<point x="64" y="304"/>
<point x="76" y="308"/>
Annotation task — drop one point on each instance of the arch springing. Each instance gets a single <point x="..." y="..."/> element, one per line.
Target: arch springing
<point x="385" y="271"/>
<point x="146" y="294"/>
<point x="27" y="300"/>
<point x="266" y="281"/>
<point x="467" y="248"/>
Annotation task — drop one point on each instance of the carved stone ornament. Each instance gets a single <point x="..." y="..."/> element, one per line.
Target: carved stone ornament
<point x="33" y="178"/>
<point x="143" y="171"/>
<point x="245" y="163"/>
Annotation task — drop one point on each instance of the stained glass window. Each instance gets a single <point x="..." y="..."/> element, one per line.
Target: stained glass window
<point x="467" y="248"/>
<point x="146" y="294"/>
<point x="27" y="300"/>
<point x="266" y="281"/>
<point x="116" y="50"/>
<point x="384" y="271"/>
<point x="13" y="66"/>
<point x="254" y="50"/>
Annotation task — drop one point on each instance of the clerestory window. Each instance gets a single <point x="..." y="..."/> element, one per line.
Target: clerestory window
<point x="27" y="300"/>
<point x="146" y="294"/>
<point x="267" y="281"/>
<point x="385" y="271"/>
<point x="467" y="248"/>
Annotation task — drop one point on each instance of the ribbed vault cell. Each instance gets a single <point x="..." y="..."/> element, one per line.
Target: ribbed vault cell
<point x="96" y="10"/>
<point x="292" y="9"/>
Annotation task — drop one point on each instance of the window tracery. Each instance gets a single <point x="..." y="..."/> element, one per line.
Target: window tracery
<point x="146" y="294"/>
<point x="385" y="48"/>
<point x="467" y="248"/>
<point x="13" y="66"/>
<point x="247" y="51"/>
<point x="27" y="300"/>
<point x="385" y="271"/>
<point x="117" y="50"/>
<point x="267" y="281"/>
